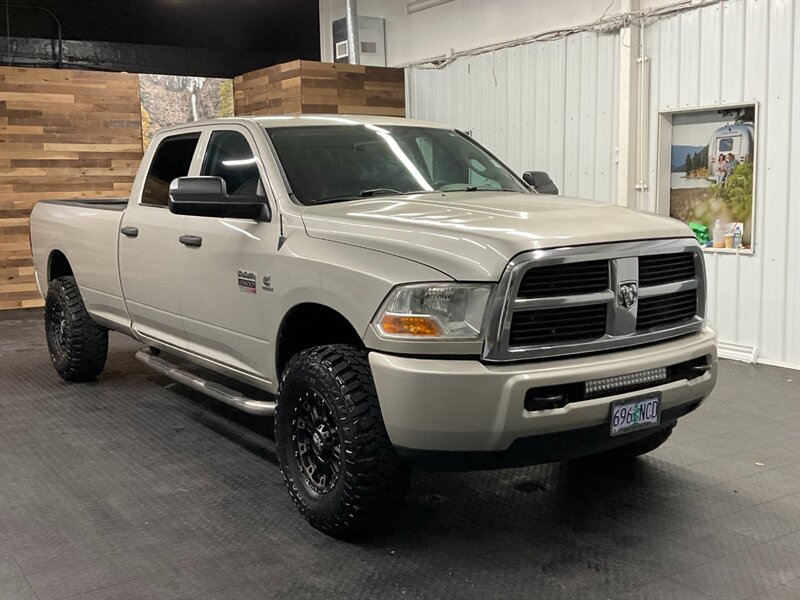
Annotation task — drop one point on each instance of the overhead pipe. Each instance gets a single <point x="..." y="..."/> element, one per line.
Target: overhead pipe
<point x="642" y="119"/>
<point x="353" y="43"/>
<point x="49" y="12"/>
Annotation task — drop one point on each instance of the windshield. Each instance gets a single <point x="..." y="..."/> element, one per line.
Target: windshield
<point x="342" y="162"/>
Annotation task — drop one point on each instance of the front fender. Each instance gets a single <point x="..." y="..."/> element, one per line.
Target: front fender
<point x="350" y="280"/>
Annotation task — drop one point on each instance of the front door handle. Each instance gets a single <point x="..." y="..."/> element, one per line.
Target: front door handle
<point x="195" y="241"/>
<point x="128" y="231"/>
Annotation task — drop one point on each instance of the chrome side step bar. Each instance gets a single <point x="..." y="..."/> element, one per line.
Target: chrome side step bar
<point x="209" y="388"/>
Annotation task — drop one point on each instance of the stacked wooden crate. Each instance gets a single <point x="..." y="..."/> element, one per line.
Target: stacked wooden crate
<point x="303" y="86"/>
<point x="78" y="134"/>
<point x="63" y="134"/>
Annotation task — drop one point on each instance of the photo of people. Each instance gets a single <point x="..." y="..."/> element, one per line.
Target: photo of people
<point x="711" y="179"/>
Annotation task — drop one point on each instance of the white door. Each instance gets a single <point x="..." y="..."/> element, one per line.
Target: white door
<point x="149" y="250"/>
<point x="224" y="301"/>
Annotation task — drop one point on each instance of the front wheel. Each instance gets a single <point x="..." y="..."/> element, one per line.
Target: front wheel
<point x="338" y="464"/>
<point x="78" y="346"/>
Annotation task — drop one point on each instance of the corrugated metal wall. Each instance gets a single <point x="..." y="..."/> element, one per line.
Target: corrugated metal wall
<point x="744" y="51"/>
<point x="553" y="106"/>
<point x="549" y="107"/>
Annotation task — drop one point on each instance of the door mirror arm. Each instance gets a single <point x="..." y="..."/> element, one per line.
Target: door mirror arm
<point x="540" y="182"/>
<point x="207" y="196"/>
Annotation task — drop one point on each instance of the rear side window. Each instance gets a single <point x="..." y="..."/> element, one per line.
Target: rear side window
<point x="172" y="159"/>
<point x="230" y="156"/>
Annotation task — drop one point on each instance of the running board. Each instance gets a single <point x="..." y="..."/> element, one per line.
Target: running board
<point x="209" y="388"/>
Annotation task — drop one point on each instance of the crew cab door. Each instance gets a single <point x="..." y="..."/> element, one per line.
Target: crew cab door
<point x="224" y="299"/>
<point x="149" y="257"/>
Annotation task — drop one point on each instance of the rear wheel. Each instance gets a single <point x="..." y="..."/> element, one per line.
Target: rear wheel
<point x="338" y="464"/>
<point x="78" y="346"/>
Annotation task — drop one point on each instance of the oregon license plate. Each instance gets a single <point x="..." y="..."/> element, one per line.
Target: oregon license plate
<point x="636" y="413"/>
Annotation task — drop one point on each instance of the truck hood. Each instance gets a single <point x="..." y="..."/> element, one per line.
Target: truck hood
<point x="471" y="236"/>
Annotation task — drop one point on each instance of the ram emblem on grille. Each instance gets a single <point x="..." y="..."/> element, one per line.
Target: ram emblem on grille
<point x="628" y="293"/>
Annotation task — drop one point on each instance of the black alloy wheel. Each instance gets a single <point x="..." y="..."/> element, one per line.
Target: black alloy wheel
<point x="78" y="346"/>
<point x="338" y="464"/>
<point x="317" y="447"/>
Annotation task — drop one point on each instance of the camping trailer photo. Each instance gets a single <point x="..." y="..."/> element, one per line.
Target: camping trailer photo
<point x="737" y="139"/>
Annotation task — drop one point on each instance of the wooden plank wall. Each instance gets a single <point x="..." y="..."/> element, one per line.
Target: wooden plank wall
<point x="77" y="134"/>
<point x="63" y="134"/>
<point x="303" y="86"/>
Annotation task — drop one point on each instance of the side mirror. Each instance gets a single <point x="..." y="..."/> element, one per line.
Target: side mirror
<point x="208" y="197"/>
<point x="540" y="181"/>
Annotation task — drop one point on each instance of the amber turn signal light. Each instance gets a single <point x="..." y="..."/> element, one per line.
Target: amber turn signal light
<point x="409" y="325"/>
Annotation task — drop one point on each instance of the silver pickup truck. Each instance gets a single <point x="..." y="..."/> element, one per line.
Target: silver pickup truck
<point x="394" y="294"/>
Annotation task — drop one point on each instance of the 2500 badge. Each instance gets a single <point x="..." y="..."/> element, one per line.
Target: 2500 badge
<point x="247" y="281"/>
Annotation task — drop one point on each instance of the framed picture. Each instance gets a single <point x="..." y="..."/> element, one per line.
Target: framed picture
<point x="173" y="99"/>
<point x="706" y="173"/>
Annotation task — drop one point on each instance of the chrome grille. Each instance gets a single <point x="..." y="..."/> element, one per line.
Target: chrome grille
<point x="572" y="300"/>
<point x="570" y="278"/>
<point x="553" y="325"/>
<point x="666" y="311"/>
<point x="658" y="269"/>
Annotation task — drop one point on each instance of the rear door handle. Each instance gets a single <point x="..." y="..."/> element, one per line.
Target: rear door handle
<point x="129" y="231"/>
<point x="195" y="241"/>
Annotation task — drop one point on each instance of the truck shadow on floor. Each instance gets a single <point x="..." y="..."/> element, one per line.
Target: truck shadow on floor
<point x="579" y="497"/>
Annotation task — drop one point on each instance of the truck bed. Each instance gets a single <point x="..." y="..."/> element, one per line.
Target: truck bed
<point x="117" y="204"/>
<point x="86" y="232"/>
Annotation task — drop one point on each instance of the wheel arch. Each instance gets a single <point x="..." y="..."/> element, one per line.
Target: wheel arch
<point x="310" y="324"/>
<point x="58" y="265"/>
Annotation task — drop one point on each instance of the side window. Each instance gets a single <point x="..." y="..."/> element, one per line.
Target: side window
<point x="172" y="159"/>
<point x="229" y="156"/>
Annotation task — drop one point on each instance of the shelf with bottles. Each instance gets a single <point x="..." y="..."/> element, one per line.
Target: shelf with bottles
<point x="739" y="250"/>
<point x="725" y="238"/>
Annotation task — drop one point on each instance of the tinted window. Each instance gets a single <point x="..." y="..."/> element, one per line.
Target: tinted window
<point x="340" y="162"/>
<point x="172" y="159"/>
<point x="229" y="156"/>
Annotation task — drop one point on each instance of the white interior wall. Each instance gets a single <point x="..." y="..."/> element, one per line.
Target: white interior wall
<point x="465" y="24"/>
<point x="736" y="52"/>
<point x="546" y="107"/>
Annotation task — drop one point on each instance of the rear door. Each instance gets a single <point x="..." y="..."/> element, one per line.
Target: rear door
<point x="225" y="299"/>
<point x="149" y="251"/>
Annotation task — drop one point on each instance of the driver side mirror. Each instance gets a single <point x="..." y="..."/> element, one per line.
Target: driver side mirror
<point x="207" y="196"/>
<point x="540" y="181"/>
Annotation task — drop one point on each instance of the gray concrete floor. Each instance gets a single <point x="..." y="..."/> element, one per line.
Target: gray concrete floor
<point x="136" y="488"/>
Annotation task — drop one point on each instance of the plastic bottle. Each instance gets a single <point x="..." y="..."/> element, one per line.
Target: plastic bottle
<point x="718" y="235"/>
<point x="737" y="237"/>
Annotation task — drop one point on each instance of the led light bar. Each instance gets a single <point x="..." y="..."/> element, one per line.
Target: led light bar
<point x="600" y="387"/>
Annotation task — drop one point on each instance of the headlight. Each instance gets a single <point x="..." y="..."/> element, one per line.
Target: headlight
<point x="434" y="311"/>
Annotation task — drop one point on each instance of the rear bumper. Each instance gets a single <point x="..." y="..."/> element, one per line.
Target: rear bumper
<point x="468" y="406"/>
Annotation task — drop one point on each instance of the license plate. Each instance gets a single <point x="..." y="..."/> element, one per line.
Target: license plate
<point x="634" y="414"/>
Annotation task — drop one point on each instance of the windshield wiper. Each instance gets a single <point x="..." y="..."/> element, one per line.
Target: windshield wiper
<point x="383" y="191"/>
<point x="475" y="188"/>
<point x="369" y="194"/>
<point x="372" y="192"/>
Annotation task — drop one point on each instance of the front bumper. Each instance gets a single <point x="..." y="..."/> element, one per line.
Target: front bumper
<point x="468" y="406"/>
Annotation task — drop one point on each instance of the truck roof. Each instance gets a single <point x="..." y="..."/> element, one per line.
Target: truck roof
<point x="307" y="120"/>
